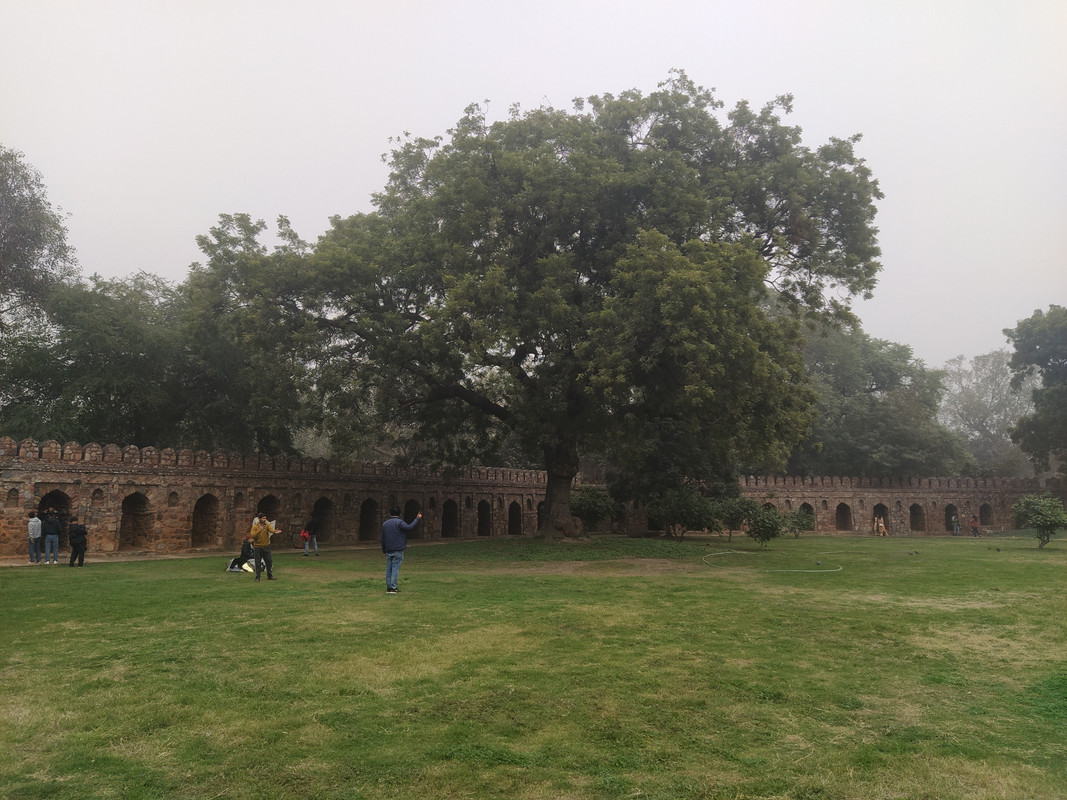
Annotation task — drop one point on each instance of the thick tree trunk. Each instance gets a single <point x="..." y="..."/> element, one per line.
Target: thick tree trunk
<point x="561" y="464"/>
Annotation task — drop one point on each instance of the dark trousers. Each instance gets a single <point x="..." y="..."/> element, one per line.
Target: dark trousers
<point x="263" y="555"/>
<point x="77" y="552"/>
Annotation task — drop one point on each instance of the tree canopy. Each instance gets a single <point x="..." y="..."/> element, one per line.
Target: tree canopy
<point x="1040" y="344"/>
<point x="34" y="253"/>
<point x="617" y="279"/>
<point x="981" y="404"/>
<point x="877" y="412"/>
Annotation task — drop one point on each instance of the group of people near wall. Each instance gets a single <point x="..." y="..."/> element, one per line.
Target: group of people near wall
<point x="256" y="549"/>
<point x="975" y="530"/>
<point x="43" y="531"/>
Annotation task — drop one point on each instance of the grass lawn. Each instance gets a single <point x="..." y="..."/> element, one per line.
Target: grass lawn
<point x="610" y="668"/>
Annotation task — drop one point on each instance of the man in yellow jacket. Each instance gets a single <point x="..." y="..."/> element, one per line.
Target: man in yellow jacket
<point x="262" y="530"/>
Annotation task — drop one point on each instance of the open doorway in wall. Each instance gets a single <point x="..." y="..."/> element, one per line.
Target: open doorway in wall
<point x="514" y="520"/>
<point x="485" y="519"/>
<point x="61" y="503"/>
<point x="269" y="505"/>
<point x="137" y="522"/>
<point x="843" y="517"/>
<point x="205" y="521"/>
<point x="917" y="518"/>
<point x="808" y="509"/>
<point x="450" y="520"/>
<point x="880" y="510"/>
<point x="369" y="524"/>
<point x="326" y="514"/>
<point x="985" y="514"/>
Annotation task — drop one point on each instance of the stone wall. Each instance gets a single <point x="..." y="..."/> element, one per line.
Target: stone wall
<point x="916" y="505"/>
<point x="167" y="501"/>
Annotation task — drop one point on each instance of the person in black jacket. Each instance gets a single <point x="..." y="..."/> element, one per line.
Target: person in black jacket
<point x="76" y="535"/>
<point x="51" y="527"/>
<point x="394" y="542"/>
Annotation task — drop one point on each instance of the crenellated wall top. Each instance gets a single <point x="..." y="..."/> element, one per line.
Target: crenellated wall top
<point x="132" y="457"/>
<point x="905" y="484"/>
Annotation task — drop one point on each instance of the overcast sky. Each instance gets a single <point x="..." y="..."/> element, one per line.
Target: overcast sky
<point x="149" y="118"/>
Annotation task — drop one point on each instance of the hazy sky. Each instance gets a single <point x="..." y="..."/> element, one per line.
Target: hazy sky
<point x="149" y="118"/>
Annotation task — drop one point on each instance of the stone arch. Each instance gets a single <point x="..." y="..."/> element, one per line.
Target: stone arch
<point x="807" y="509"/>
<point x="173" y="500"/>
<point x="12" y="499"/>
<point x="97" y="499"/>
<point x="843" y="517"/>
<point x="60" y="501"/>
<point x="450" y="520"/>
<point x="368" y="521"/>
<point x="985" y="514"/>
<point x="136" y="523"/>
<point x="917" y="518"/>
<point x="326" y="514"/>
<point x="485" y="518"/>
<point x="411" y="510"/>
<point x="205" y="521"/>
<point x="514" y="520"/>
<point x="269" y="505"/>
<point x="880" y="510"/>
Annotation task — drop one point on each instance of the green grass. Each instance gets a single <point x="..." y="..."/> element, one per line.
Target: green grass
<point x="613" y="668"/>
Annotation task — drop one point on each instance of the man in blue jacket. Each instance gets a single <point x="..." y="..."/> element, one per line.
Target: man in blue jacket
<point x="394" y="542"/>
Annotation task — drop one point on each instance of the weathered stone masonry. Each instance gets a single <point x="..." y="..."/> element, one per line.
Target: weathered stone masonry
<point x="166" y="501"/>
<point x="916" y="505"/>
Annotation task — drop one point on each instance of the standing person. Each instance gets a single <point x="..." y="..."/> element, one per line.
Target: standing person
<point x="955" y="525"/>
<point x="974" y="526"/>
<point x="311" y="528"/>
<point x="394" y="543"/>
<point x="262" y="530"/>
<point x="52" y="527"/>
<point x="34" y="531"/>
<point x="77" y="534"/>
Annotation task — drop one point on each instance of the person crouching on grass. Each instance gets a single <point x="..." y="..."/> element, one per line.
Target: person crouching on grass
<point x="262" y="530"/>
<point x="394" y="542"/>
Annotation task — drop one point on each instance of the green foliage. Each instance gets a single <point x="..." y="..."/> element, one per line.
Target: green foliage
<point x="34" y="254"/>
<point x="592" y="505"/>
<point x="877" y="412"/>
<point x="683" y="508"/>
<point x="105" y="366"/>
<point x="208" y="365"/>
<point x="796" y="522"/>
<point x="594" y="282"/>
<point x="1040" y="344"/>
<point x="764" y="524"/>
<point x="1045" y="514"/>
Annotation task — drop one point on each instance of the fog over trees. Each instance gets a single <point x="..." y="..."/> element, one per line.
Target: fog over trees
<point x="645" y="283"/>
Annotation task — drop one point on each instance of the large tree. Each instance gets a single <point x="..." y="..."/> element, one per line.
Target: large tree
<point x="981" y="405"/>
<point x="102" y="365"/>
<point x="1040" y="344"/>
<point x="600" y="280"/>
<point x="34" y="254"/>
<point x="877" y="412"/>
